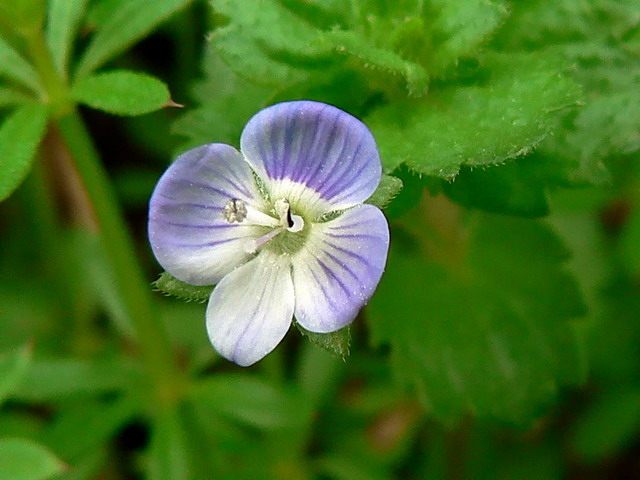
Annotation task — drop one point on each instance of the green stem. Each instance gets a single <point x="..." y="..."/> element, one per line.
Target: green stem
<point x="133" y="289"/>
<point x="55" y="87"/>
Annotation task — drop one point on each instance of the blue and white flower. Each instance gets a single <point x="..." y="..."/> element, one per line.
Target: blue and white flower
<point x="279" y="226"/>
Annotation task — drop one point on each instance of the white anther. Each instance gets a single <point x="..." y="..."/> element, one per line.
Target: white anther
<point x="234" y="211"/>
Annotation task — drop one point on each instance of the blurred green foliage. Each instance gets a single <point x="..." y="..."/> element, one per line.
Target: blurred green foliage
<point x="502" y="342"/>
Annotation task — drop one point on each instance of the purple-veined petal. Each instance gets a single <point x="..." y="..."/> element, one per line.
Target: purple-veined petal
<point x="250" y="310"/>
<point x="337" y="271"/>
<point x="188" y="234"/>
<point x="303" y="145"/>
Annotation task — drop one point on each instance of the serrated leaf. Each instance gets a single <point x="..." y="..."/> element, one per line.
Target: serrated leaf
<point x="16" y="68"/>
<point x="459" y="27"/>
<point x="125" y="26"/>
<point x="387" y="190"/>
<point x="170" y="285"/>
<point x="22" y="459"/>
<point x="337" y="343"/>
<point x="480" y="323"/>
<point x="383" y="59"/>
<point x="63" y="20"/>
<point x="13" y="368"/>
<point x="122" y="92"/>
<point x="20" y="135"/>
<point x="508" y="115"/>
<point x="596" y="40"/>
<point x="254" y="36"/>
<point x="515" y="188"/>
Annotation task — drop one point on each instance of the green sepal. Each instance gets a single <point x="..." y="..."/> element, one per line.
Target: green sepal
<point x="336" y="343"/>
<point x="387" y="190"/>
<point x="170" y="285"/>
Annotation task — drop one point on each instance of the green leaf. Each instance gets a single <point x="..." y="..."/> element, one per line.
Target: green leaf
<point x="254" y="36"/>
<point x="459" y="27"/>
<point x="170" y="285"/>
<point x="13" y="368"/>
<point x="224" y="104"/>
<point x="337" y="343"/>
<point x="24" y="16"/>
<point x="383" y="59"/>
<point x="122" y="92"/>
<point x="16" y="68"/>
<point x="515" y="188"/>
<point x="22" y="459"/>
<point x="83" y="426"/>
<point x="477" y="315"/>
<point x="387" y="190"/>
<point x="20" y="135"/>
<point x="506" y="116"/>
<point x="630" y="242"/>
<point x="10" y="97"/>
<point x="598" y="42"/>
<point x="62" y="26"/>
<point x="55" y="379"/>
<point x="252" y="401"/>
<point x="167" y="458"/>
<point x="127" y="24"/>
<point x="609" y="425"/>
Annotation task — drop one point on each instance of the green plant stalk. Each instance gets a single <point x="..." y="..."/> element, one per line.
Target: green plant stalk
<point x="132" y="288"/>
<point x="56" y="92"/>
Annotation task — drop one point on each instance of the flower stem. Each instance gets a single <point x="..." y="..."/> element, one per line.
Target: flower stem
<point x="132" y="288"/>
<point x="130" y="282"/>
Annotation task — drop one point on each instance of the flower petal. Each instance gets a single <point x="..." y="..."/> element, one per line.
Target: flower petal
<point x="250" y="310"/>
<point x="313" y="145"/>
<point x="338" y="270"/>
<point x="188" y="234"/>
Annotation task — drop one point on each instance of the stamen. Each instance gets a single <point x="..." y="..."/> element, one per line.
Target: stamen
<point x="234" y="211"/>
<point x="252" y="245"/>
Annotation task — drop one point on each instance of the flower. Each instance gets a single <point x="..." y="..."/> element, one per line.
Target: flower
<point x="279" y="226"/>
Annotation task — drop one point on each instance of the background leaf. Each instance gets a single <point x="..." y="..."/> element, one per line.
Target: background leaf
<point x="16" y="68"/>
<point x="62" y="26"/>
<point x="20" y="135"/>
<point x="13" y="368"/>
<point x="122" y="92"/>
<point x="22" y="459"/>
<point x="126" y="24"/>
<point x="481" y="322"/>
<point x="506" y="116"/>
